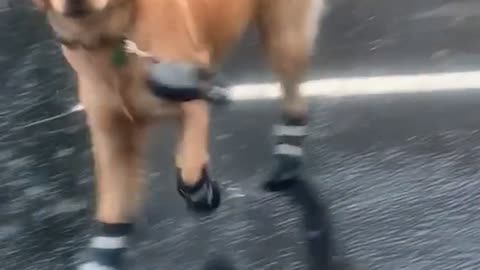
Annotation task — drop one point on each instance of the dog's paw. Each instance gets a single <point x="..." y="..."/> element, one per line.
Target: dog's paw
<point x="203" y="197"/>
<point x="286" y="171"/>
<point x="218" y="95"/>
<point x="207" y="204"/>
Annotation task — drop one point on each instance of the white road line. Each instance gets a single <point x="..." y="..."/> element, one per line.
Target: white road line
<point x="337" y="87"/>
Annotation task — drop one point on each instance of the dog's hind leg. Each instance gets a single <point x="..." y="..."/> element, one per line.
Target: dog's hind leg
<point x="117" y="146"/>
<point x="289" y="29"/>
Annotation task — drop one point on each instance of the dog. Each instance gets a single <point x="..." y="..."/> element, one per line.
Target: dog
<point x="124" y="54"/>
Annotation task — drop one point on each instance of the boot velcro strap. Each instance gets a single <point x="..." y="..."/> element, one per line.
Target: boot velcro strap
<point x="288" y="150"/>
<point x="290" y="130"/>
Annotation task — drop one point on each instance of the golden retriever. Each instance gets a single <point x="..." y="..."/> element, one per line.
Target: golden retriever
<point x="120" y="105"/>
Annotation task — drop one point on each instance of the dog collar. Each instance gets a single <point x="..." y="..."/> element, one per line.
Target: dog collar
<point x="101" y="42"/>
<point x="119" y="55"/>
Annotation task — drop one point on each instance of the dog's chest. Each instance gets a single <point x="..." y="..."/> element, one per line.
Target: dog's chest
<point x="164" y="33"/>
<point x="183" y="30"/>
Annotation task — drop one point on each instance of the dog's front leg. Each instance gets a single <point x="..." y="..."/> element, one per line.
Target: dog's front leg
<point x="183" y="83"/>
<point x="117" y="146"/>
<point x="193" y="179"/>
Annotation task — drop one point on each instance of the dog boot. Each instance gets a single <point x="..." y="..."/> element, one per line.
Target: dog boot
<point x="204" y="196"/>
<point x="181" y="82"/>
<point x="217" y="90"/>
<point x="108" y="247"/>
<point x="288" y="153"/>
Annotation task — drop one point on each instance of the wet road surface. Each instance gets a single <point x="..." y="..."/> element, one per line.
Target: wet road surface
<point x="398" y="173"/>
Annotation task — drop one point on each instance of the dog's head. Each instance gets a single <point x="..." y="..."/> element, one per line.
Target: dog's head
<point x="74" y="8"/>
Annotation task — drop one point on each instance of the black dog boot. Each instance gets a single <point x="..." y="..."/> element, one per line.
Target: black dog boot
<point x="182" y="82"/>
<point x="108" y="247"/>
<point x="204" y="196"/>
<point x="288" y="153"/>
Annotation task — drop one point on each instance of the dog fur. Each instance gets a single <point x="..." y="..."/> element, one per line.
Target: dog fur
<point x="119" y="106"/>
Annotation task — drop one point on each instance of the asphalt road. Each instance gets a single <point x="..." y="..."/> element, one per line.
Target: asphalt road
<point x="392" y="178"/>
